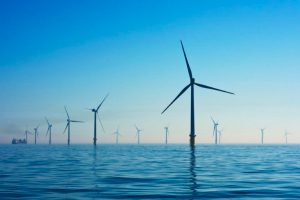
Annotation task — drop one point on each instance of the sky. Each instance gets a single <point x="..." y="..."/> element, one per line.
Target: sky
<point x="73" y="53"/>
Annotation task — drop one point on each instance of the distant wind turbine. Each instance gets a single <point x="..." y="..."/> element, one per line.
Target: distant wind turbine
<point x="68" y="125"/>
<point x="49" y="130"/>
<point x="117" y="135"/>
<point x="26" y="133"/>
<point x="36" y="133"/>
<point x="220" y="135"/>
<point x="167" y="133"/>
<point x="286" y="133"/>
<point x="262" y="134"/>
<point x="138" y="133"/>
<point x="191" y="84"/>
<point x="215" y="132"/>
<point x="95" y="111"/>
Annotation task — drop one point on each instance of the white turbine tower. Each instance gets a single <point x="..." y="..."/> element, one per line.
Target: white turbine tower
<point x="68" y="125"/>
<point x="49" y="130"/>
<point x="262" y="134"/>
<point x="138" y="133"/>
<point x="167" y="133"/>
<point x="215" y="132"/>
<point x="26" y="133"/>
<point x="220" y="135"/>
<point x="36" y="133"/>
<point x="117" y="135"/>
<point x="95" y="111"/>
<point x="286" y="133"/>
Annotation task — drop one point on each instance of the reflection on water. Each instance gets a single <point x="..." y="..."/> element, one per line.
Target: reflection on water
<point x="193" y="177"/>
<point x="149" y="171"/>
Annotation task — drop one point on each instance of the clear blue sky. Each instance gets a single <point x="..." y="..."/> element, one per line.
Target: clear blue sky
<point x="72" y="53"/>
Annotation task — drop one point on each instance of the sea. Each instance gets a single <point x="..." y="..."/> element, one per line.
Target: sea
<point x="149" y="171"/>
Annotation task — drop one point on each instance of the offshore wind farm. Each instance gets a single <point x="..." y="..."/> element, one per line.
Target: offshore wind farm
<point x="88" y="92"/>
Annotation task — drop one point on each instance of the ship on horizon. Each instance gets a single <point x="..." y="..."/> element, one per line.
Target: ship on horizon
<point x="18" y="141"/>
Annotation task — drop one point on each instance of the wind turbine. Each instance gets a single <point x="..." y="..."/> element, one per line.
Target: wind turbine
<point x="49" y="130"/>
<point x="262" y="134"/>
<point x="117" y="134"/>
<point x="191" y="84"/>
<point x="138" y="133"/>
<point x="68" y="125"/>
<point x="286" y="133"/>
<point x="26" y="133"/>
<point x="36" y="133"/>
<point x="95" y="111"/>
<point x="220" y="135"/>
<point x="215" y="132"/>
<point x="167" y="133"/>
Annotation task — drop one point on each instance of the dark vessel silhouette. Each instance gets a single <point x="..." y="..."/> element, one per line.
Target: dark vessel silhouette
<point x="18" y="141"/>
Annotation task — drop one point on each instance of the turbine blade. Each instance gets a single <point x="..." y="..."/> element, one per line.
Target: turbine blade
<point x="101" y="102"/>
<point x="76" y="121"/>
<point x="47" y="121"/>
<point x="88" y="108"/>
<point x="67" y="112"/>
<point x="187" y="62"/>
<point x="120" y="135"/>
<point x="47" y="131"/>
<point x="182" y="91"/>
<point x="100" y="122"/>
<point x="213" y="120"/>
<point x="136" y="127"/>
<point x="208" y="87"/>
<point x="214" y="130"/>
<point x="38" y="126"/>
<point x="30" y="132"/>
<point x="66" y="127"/>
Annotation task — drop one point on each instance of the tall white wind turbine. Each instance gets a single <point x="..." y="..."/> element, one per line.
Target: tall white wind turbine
<point x="95" y="111"/>
<point x="138" y="133"/>
<point x="167" y="133"/>
<point x="286" y="133"/>
<point x="215" y="132"/>
<point x="117" y="135"/>
<point x="68" y="125"/>
<point x="262" y="134"/>
<point x="191" y="84"/>
<point x="49" y="130"/>
<point x="26" y="133"/>
<point x="36" y="133"/>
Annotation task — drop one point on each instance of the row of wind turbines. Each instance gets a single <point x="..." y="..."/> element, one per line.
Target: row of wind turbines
<point x="192" y="123"/>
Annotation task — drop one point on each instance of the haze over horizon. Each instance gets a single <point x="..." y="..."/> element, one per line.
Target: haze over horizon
<point x="60" y="53"/>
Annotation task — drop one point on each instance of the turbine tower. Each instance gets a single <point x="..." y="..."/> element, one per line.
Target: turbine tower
<point x="117" y="135"/>
<point x="286" y="133"/>
<point x="262" y="134"/>
<point x="36" y="133"/>
<point x="191" y="84"/>
<point x="26" y="133"/>
<point x="220" y="135"/>
<point x="167" y="133"/>
<point x="68" y="125"/>
<point x="215" y="132"/>
<point x="138" y="133"/>
<point x="95" y="111"/>
<point x="49" y="130"/>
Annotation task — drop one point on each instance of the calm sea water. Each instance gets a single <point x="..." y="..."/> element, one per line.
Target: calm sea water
<point x="149" y="171"/>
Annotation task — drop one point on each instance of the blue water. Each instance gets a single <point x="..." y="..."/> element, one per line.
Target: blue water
<point x="149" y="171"/>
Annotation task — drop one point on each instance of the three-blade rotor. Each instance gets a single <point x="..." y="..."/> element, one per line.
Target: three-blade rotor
<point x="69" y="120"/>
<point x="192" y="81"/>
